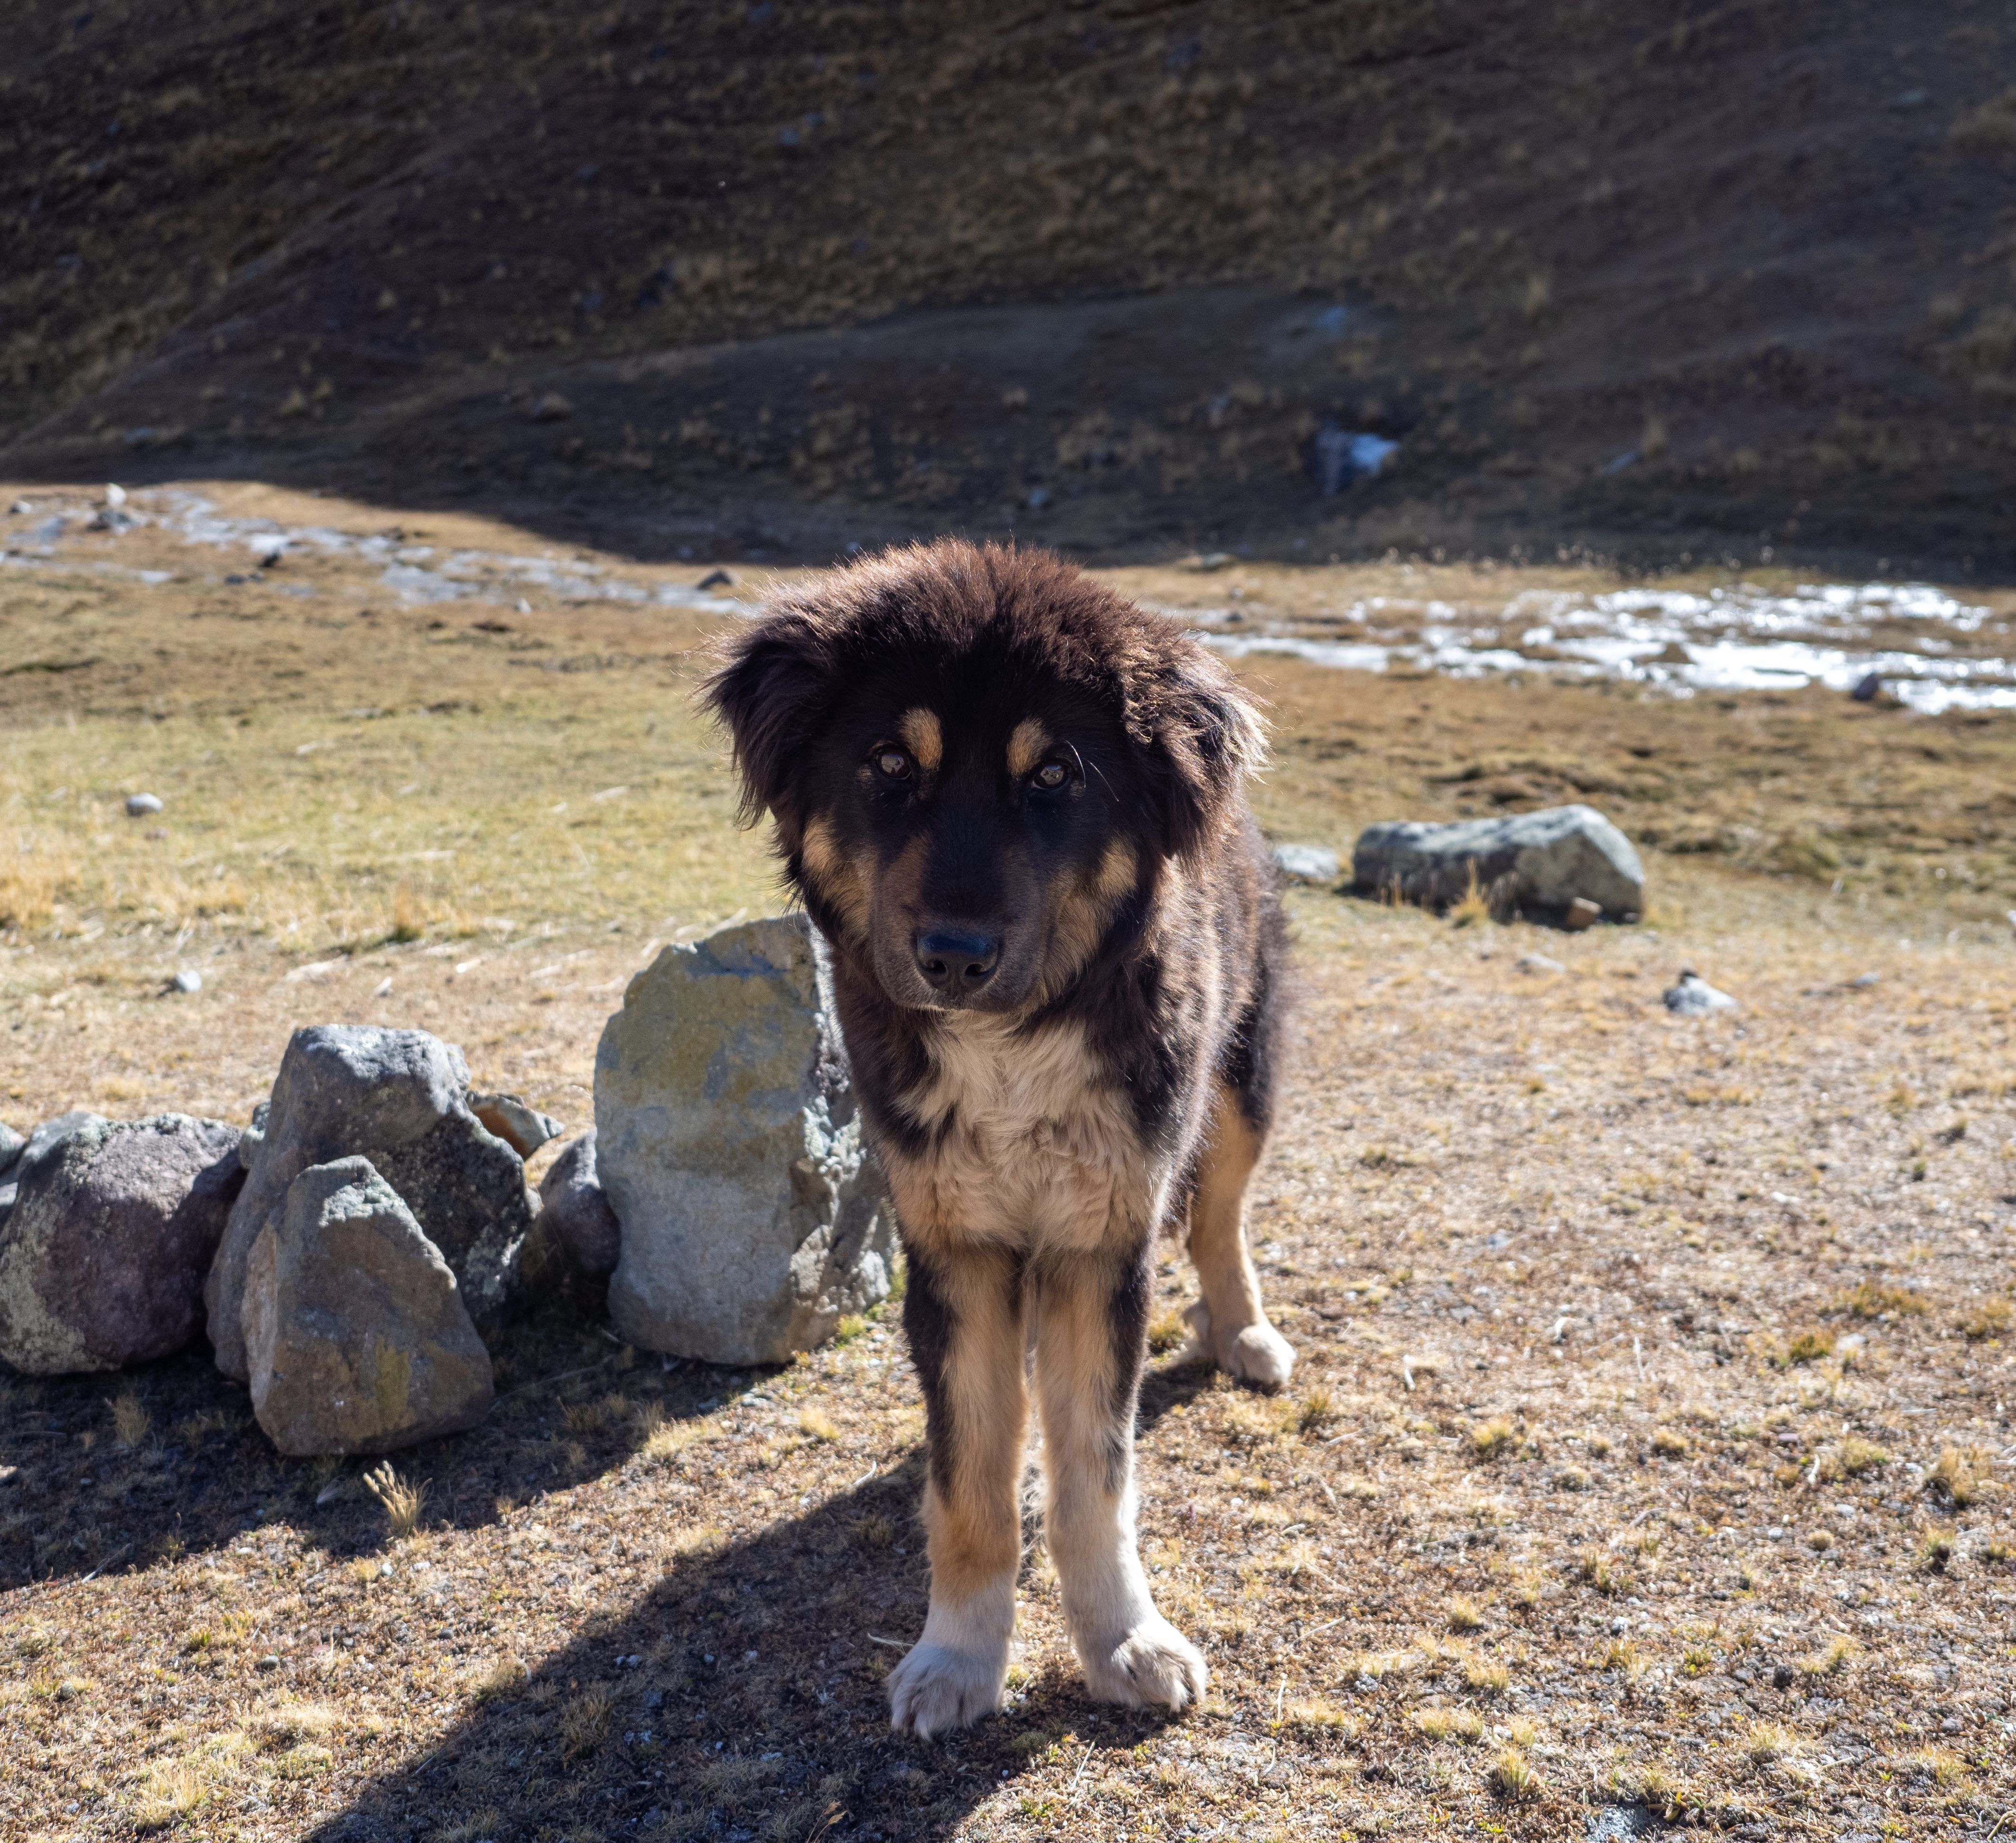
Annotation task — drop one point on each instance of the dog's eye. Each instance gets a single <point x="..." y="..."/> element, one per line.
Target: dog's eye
<point x="892" y="764"/>
<point x="1051" y="775"/>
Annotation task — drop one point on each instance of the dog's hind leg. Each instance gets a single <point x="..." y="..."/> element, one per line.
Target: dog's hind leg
<point x="963" y="1314"/>
<point x="1091" y="1341"/>
<point x="1229" y="1322"/>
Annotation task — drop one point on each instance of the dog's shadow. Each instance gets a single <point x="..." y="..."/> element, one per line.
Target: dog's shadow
<point x="741" y="1698"/>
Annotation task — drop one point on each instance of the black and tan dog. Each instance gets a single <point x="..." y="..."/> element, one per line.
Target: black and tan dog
<point x="1011" y="801"/>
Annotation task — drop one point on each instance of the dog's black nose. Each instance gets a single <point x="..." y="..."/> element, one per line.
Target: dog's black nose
<point x="955" y="961"/>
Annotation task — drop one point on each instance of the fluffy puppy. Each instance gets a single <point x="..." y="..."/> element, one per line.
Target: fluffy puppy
<point x="1011" y="801"/>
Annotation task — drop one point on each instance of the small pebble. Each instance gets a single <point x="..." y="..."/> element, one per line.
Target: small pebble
<point x="1538" y="963"/>
<point x="716" y="578"/>
<point x="189" y="979"/>
<point x="552" y="407"/>
<point x="139" y="806"/>
<point x="1581" y="913"/>
<point x="383" y="989"/>
<point x="269" y="1662"/>
<point x="1694" y="998"/>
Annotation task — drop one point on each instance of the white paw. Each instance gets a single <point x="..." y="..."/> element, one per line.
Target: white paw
<point x="1261" y="1354"/>
<point x="1155" y="1666"/>
<point x="1257" y="1354"/>
<point x="936" y="1688"/>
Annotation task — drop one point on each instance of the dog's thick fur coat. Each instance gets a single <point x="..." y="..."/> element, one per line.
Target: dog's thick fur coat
<point x="1012" y="802"/>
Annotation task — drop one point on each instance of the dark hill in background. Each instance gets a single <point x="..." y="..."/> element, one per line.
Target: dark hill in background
<point x="792" y="275"/>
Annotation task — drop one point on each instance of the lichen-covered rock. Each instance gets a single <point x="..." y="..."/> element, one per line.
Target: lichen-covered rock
<point x="398" y="1097"/>
<point x="103" y="1255"/>
<point x="1539" y="861"/>
<point x="574" y="1207"/>
<point x="356" y="1336"/>
<point x="727" y="1142"/>
<point x="11" y="1143"/>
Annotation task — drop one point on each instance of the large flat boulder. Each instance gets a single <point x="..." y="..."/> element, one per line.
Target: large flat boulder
<point x="1538" y="861"/>
<point x="398" y="1097"/>
<point x="103" y="1256"/>
<point x="728" y="1144"/>
<point x="356" y="1336"/>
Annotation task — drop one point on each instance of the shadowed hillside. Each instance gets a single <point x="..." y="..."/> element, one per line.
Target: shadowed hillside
<point x="1118" y="265"/>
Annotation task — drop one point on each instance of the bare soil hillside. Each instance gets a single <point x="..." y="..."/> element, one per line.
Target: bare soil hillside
<point x="1671" y="283"/>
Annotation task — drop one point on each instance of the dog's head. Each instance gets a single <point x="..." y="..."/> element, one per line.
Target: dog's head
<point x="980" y="762"/>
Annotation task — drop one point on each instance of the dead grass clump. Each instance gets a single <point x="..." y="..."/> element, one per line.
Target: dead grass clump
<point x="1258" y="1417"/>
<point x="1485" y="1676"/>
<point x="1514" y="1777"/>
<point x="1450" y="1724"/>
<point x="1766" y="1742"/>
<point x="1464" y="1615"/>
<point x="1315" y="1716"/>
<point x="1167" y="1331"/>
<point x="1809" y="1346"/>
<point x="506" y="1677"/>
<point x="1858" y="1456"/>
<point x="1472" y="907"/>
<point x="1873" y="1300"/>
<point x="290" y="1724"/>
<point x="1956" y="1475"/>
<point x="1317" y="1411"/>
<point x="1834" y="1655"/>
<point x="585" y="1722"/>
<point x="131" y="1421"/>
<point x="402" y="1500"/>
<point x="1936" y="1551"/>
<point x="168" y="1796"/>
<point x="873" y="1531"/>
<point x="1669" y="1443"/>
<point x="1992" y="1319"/>
<point x="1599" y="1570"/>
<point x="1572" y="1478"/>
<point x="816" y="1423"/>
<point x="1941" y="1767"/>
<point x="1488" y="1439"/>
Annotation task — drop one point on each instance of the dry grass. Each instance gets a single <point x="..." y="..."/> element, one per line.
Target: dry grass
<point x="401" y="1499"/>
<point x="635" y="1533"/>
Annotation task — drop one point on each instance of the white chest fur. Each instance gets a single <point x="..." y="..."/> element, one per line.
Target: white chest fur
<point x="1030" y="1147"/>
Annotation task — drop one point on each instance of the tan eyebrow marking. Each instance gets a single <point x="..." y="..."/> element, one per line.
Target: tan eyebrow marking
<point x="1026" y="746"/>
<point x="922" y="736"/>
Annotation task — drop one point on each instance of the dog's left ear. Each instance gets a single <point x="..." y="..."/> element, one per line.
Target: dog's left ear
<point x="1200" y="735"/>
<point x="769" y="690"/>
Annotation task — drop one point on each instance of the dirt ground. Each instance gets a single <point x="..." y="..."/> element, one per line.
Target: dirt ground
<point x="1651" y="1447"/>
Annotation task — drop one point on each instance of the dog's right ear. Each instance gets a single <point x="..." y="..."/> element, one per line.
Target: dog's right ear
<point x="769" y="690"/>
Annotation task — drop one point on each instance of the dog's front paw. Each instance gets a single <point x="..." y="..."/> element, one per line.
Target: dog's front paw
<point x="936" y="1688"/>
<point x="1154" y="1666"/>
<point x="1256" y="1353"/>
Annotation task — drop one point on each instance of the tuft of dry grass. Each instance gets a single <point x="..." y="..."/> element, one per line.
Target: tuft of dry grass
<point x="1473" y="908"/>
<point x="402" y="1500"/>
<point x="1464" y="1615"/>
<point x="1485" y="1676"/>
<point x="1490" y="1438"/>
<point x="168" y="1796"/>
<point x="1318" y="1410"/>
<point x="506" y="1677"/>
<point x="1809" y="1346"/>
<point x="1871" y="1299"/>
<point x="1599" y="1570"/>
<point x="130" y="1422"/>
<point x="1993" y="1318"/>
<point x="816" y="1423"/>
<point x="1956" y="1475"/>
<point x="585" y="1722"/>
<point x="1836" y="1654"/>
<point x="1167" y="1331"/>
<point x="1514" y="1777"/>
<point x="1450" y="1724"/>
<point x="1670" y="1443"/>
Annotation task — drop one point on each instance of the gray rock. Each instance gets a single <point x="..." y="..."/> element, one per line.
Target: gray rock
<point x="1694" y="998"/>
<point x="49" y="1133"/>
<point x="356" y="1336"/>
<point x="11" y="1143"/>
<point x="524" y="1129"/>
<point x="1538" y="963"/>
<point x="717" y="578"/>
<point x="139" y="806"/>
<point x="1307" y="863"/>
<point x="397" y="1098"/>
<point x="573" y="1205"/>
<point x="552" y="407"/>
<point x="103" y="1255"/>
<point x="727" y="1140"/>
<point x="1536" y="860"/>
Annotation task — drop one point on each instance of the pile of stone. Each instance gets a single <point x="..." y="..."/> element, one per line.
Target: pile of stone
<point x="348" y="1254"/>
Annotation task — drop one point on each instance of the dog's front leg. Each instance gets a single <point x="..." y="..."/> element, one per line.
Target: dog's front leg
<point x="1091" y="1344"/>
<point x="963" y="1314"/>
